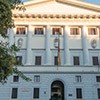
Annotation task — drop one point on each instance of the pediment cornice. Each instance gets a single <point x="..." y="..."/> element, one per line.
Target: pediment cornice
<point x="76" y="3"/>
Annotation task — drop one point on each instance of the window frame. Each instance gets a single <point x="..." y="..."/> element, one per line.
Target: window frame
<point x="14" y="79"/>
<point x="38" y="61"/>
<point x="14" y="96"/>
<point x="78" y="93"/>
<point x="78" y="78"/>
<point x="55" y="60"/>
<point x="35" y="94"/>
<point x="92" y="31"/>
<point x="75" y="59"/>
<point x="21" y="27"/>
<point x="39" y="28"/>
<point x="56" y="30"/>
<point x="98" y="79"/>
<point x="77" y="31"/>
<point x="95" y="60"/>
<point x="19" y="59"/>
<point x="36" y="78"/>
<point x="98" y="93"/>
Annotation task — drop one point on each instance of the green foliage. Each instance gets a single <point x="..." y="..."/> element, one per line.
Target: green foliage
<point x="6" y="7"/>
<point x="7" y="61"/>
<point x="7" y="54"/>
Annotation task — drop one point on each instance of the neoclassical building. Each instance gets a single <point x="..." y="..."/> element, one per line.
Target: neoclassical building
<point x="52" y="30"/>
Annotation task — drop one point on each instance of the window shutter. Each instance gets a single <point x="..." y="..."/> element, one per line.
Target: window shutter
<point x="78" y="31"/>
<point x="89" y="31"/>
<point x="71" y="31"/>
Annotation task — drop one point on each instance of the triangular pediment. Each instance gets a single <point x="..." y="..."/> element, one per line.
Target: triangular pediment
<point x="70" y="7"/>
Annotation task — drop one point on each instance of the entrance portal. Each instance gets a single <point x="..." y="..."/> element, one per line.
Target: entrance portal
<point x="57" y="90"/>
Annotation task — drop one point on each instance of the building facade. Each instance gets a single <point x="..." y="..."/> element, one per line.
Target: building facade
<point x="77" y="77"/>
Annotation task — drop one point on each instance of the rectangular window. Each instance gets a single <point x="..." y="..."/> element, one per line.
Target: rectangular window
<point x="92" y="31"/>
<point x="15" y="78"/>
<point x="19" y="60"/>
<point x="55" y="60"/>
<point x="14" y="93"/>
<point x="76" y="60"/>
<point x="36" y="93"/>
<point x="74" y="31"/>
<point x="39" y="31"/>
<point x="38" y="60"/>
<point x="36" y="78"/>
<point x="56" y="31"/>
<point x="79" y="93"/>
<point x="95" y="60"/>
<point x="78" y="79"/>
<point x="97" y="78"/>
<point x="21" y="30"/>
<point x="98" y="92"/>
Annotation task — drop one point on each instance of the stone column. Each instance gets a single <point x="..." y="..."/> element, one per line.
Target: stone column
<point x="66" y="46"/>
<point x="11" y="36"/>
<point x="47" y="45"/>
<point x="85" y="46"/>
<point x="29" y="46"/>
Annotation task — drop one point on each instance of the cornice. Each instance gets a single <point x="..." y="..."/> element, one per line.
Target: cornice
<point x="45" y="16"/>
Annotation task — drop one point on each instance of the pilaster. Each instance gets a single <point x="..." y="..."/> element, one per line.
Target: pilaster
<point x="47" y="45"/>
<point x="11" y="36"/>
<point x="66" y="46"/>
<point x="85" y="46"/>
<point x="29" y="46"/>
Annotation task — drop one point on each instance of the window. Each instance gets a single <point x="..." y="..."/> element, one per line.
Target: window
<point x="38" y="60"/>
<point x="15" y="78"/>
<point x="74" y="31"/>
<point x="95" y="60"/>
<point x="55" y="31"/>
<point x="76" y="60"/>
<point x="97" y="78"/>
<point x="78" y="79"/>
<point x="39" y="31"/>
<point x="19" y="60"/>
<point x="14" y="93"/>
<point x="36" y="93"/>
<point x="79" y="93"/>
<point x="55" y="60"/>
<point x="21" y="30"/>
<point x="98" y="92"/>
<point x="92" y="31"/>
<point x="36" y="78"/>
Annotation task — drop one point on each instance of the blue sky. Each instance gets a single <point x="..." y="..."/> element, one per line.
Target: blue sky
<point x="91" y="1"/>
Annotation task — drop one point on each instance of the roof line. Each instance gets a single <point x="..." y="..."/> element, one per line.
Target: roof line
<point x="76" y="3"/>
<point x="81" y="4"/>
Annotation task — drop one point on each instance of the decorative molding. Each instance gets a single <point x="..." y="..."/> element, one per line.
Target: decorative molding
<point x="57" y="16"/>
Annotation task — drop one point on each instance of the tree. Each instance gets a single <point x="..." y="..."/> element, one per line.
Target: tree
<point x="7" y="54"/>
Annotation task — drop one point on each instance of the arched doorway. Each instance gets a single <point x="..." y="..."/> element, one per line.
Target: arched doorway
<point x="57" y="90"/>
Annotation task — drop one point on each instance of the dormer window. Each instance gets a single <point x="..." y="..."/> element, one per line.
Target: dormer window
<point x="21" y="30"/>
<point x="92" y="31"/>
<point x="39" y="31"/>
<point x="74" y="31"/>
<point x="56" y="31"/>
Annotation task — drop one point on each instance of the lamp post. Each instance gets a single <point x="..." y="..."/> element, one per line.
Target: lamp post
<point x="57" y="45"/>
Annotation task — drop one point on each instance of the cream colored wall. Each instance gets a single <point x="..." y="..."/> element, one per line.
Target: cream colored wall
<point x="55" y="8"/>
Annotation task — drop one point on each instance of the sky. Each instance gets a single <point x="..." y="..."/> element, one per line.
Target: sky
<point x="91" y="1"/>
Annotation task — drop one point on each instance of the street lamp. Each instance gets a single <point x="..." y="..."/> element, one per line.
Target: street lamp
<point x="57" y="45"/>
